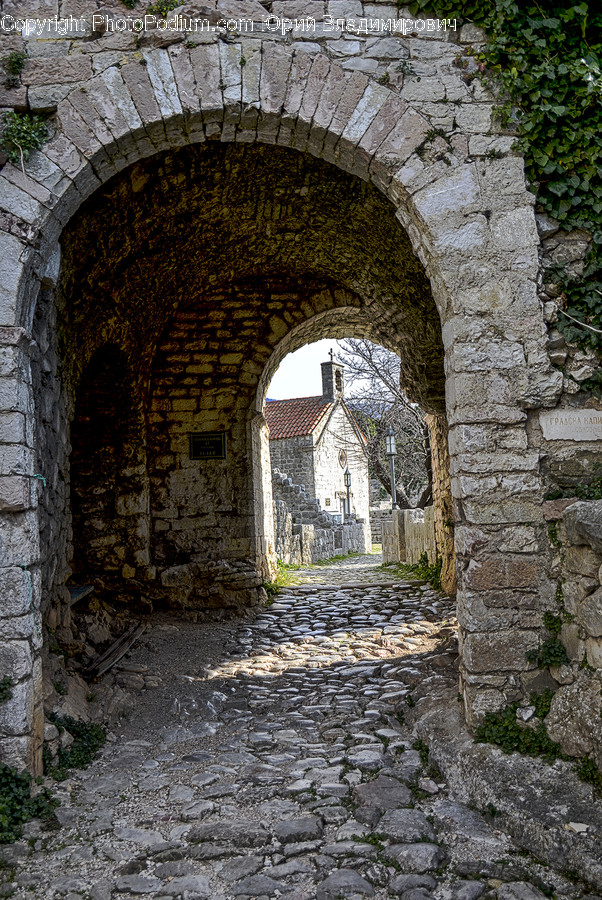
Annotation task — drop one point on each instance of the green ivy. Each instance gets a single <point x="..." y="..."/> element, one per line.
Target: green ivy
<point x="423" y="569"/>
<point x="423" y="750"/>
<point x="588" y="771"/>
<point x="553" y="534"/>
<point x="22" y="134"/>
<point x="163" y="7"/>
<point x="552" y="623"/>
<point x="591" y="491"/>
<point x="542" y="702"/>
<point x="6" y="684"/>
<point x="503" y="729"/>
<point x="88" y="738"/>
<point x="543" y="60"/>
<point x="17" y="805"/>
<point x="551" y="653"/>
<point x="13" y="66"/>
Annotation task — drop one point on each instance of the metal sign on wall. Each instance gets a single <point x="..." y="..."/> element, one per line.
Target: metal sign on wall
<point x="208" y="445"/>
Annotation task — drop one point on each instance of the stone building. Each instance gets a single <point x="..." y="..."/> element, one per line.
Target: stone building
<point x="314" y="440"/>
<point x="201" y="208"/>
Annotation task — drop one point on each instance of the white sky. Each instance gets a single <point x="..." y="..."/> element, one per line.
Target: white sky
<point x="299" y="374"/>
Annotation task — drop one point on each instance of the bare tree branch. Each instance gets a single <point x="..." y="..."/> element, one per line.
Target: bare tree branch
<point x="372" y="376"/>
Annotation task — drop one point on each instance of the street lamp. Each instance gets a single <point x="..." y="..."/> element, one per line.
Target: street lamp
<point x="391" y="452"/>
<point x="347" y="480"/>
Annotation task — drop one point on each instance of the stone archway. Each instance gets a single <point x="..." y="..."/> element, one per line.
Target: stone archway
<point x="470" y="222"/>
<point x="359" y="322"/>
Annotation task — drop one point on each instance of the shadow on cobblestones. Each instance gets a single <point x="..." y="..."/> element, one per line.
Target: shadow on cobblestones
<point x="274" y="759"/>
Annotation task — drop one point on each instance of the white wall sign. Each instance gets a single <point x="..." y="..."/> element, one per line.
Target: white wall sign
<point x="572" y="425"/>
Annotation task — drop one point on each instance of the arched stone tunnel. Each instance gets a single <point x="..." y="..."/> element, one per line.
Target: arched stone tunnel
<point x="182" y="278"/>
<point x="209" y="217"/>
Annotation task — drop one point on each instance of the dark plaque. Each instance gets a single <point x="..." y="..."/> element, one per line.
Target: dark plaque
<point x="209" y="445"/>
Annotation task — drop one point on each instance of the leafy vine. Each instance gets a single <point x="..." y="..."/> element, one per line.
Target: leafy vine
<point x="543" y="60"/>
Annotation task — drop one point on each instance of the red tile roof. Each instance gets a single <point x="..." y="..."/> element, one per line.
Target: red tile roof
<point x="294" y="418"/>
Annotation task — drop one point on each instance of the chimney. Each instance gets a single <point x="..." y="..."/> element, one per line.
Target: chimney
<point x="332" y="381"/>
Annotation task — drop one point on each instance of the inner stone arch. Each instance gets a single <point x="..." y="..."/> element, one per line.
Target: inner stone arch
<point x="353" y="321"/>
<point x="204" y="266"/>
<point x="340" y="322"/>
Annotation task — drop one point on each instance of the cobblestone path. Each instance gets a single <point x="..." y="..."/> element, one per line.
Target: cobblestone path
<point x="273" y="760"/>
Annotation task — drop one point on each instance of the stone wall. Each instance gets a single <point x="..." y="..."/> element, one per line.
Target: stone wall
<point x="53" y="413"/>
<point x="378" y="515"/>
<point x="409" y="534"/>
<point x="295" y="456"/>
<point x="394" y="197"/>
<point x="575" y="535"/>
<point x="443" y="500"/>
<point x="305" y="534"/>
<point x="420" y="538"/>
<point x="393" y="537"/>
<point x="21" y="716"/>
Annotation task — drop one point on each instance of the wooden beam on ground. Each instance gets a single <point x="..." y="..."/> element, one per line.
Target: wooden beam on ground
<point x="105" y="661"/>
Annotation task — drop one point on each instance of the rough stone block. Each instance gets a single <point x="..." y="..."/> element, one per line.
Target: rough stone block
<point x="16" y="459"/>
<point x="19" y="539"/>
<point x="298" y="9"/>
<point x="574" y="717"/>
<point x="553" y="510"/>
<point x="15" y="493"/>
<point x="16" y="714"/>
<point x="16" y="201"/>
<point x="82" y="103"/>
<point x="515" y="229"/>
<point x="15" y="591"/>
<point x="364" y="113"/>
<point x="13" y="98"/>
<point x="15" y="659"/>
<point x="382" y="125"/>
<point x="161" y="76"/>
<point x="56" y="69"/>
<point x="75" y="129"/>
<point x="350" y="97"/>
<point x="184" y="77"/>
<point x="458" y="192"/>
<point x="471" y="237"/>
<point x="582" y="561"/>
<point x="474" y="117"/>
<point x="487" y="356"/>
<point x="332" y="90"/>
<point x="141" y="91"/>
<point x="501" y="652"/>
<point x="121" y="97"/>
<point x="589" y="614"/>
<point x="594" y="652"/>
<point x="12" y="428"/>
<point x="205" y="62"/>
<point x="18" y="628"/>
<point x="14" y="396"/>
<point x="583" y="523"/>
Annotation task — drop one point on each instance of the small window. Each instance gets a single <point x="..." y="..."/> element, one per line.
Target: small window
<point x="342" y="459"/>
<point x="338" y="378"/>
<point x="327" y="501"/>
